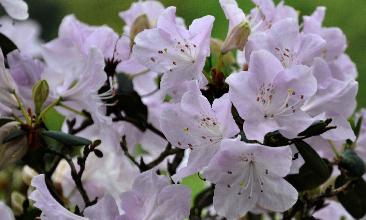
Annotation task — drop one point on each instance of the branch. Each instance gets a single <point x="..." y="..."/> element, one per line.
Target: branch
<point x="86" y="123"/>
<point x="77" y="175"/>
<point x="141" y="165"/>
<point x="306" y="204"/>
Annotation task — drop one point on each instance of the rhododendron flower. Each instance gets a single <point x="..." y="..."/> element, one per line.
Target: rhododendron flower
<point x="246" y="175"/>
<point x="24" y="34"/>
<point x="267" y="13"/>
<point x="285" y="41"/>
<point x="25" y="71"/>
<point x="171" y="49"/>
<point x="5" y="212"/>
<point x="151" y="198"/>
<point x="152" y="9"/>
<point x="269" y="97"/>
<point x="196" y="125"/>
<point x="78" y="84"/>
<point x="8" y="87"/>
<point x="106" y="208"/>
<point x="75" y="36"/>
<point x="332" y="94"/>
<point x="112" y="174"/>
<point x="16" y="9"/>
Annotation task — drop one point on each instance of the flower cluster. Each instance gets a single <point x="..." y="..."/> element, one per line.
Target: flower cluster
<point x="103" y="126"/>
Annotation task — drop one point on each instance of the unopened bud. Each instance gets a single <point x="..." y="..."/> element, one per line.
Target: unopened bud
<point x="236" y="38"/>
<point x="13" y="150"/>
<point x="141" y="23"/>
<point x="27" y="174"/>
<point x="17" y="201"/>
<point x="215" y="47"/>
<point x="352" y="163"/>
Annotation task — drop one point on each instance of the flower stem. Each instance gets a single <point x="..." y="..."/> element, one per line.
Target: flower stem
<point x="72" y="109"/>
<point x="22" y="109"/>
<point x="334" y="149"/>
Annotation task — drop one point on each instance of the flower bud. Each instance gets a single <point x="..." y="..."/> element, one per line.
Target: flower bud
<point x="140" y="24"/>
<point x="13" y="150"/>
<point x="17" y="200"/>
<point x="352" y="163"/>
<point x="40" y="93"/>
<point x="237" y="37"/>
<point x="27" y="174"/>
<point x="215" y="47"/>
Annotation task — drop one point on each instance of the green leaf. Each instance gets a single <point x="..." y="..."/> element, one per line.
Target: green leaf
<point x="14" y="135"/>
<point x="195" y="183"/>
<point x="6" y="44"/>
<point x="352" y="163"/>
<point x="40" y="93"/>
<point x="353" y="199"/>
<point x="313" y="173"/>
<point x="53" y="120"/>
<point x="67" y="139"/>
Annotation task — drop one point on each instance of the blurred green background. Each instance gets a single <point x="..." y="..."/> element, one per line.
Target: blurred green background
<point x="349" y="15"/>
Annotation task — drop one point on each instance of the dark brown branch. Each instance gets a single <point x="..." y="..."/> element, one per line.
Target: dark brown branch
<point x="142" y="165"/>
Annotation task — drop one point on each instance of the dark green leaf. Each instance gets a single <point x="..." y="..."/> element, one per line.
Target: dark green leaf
<point x="67" y="139"/>
<point x="14" y="135"/>
<point x="357" y="128"/>
<point x="275" y="139"/>
<point x="317" y="128"/>
<point x="313" y="173"/>
<point x="352" y="163"/>
<point x="6" y="44"/>
<point x="353" y="199"/>
<point x="3" y="121"/>
<point x="98" y="153"/>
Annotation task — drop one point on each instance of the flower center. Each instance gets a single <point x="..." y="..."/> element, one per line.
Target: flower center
<point x="283" y="106"/>
<point x="285" y="56"/>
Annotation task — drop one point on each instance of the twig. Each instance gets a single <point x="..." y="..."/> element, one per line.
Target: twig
<point x="141" y="165"/>
<point x="77" y="175"/>
<point x="134" y="122"/>
<point x="305" y="204"/>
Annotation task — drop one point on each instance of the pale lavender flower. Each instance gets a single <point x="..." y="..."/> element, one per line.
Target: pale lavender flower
<point x="269" y="97"/>
<point x="247" y="176"/>
<point x="285" y="41"/>
<point x="267" y="13"/>
<point x="152" y="9"/>
<point x="196" y="125"/>
<point x="336" y="42"/>
<point x="24" y="34"/>
<point x="335" y="95"/>
<point x="153" y="197"/>
<point x="106" y="207"/>
<point x="17" y="9"/>
<point x="173" y="50"/>
<point x="112" y="174"/>
<point x="5" y="212"/>
<point x="25" y="71"/>
<point x="51" y="209"/>
<point x="78" y="84"/>
<point x="332" y="210"/>
<point x="8" y="86"/>
<point x="77" y="36"/>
